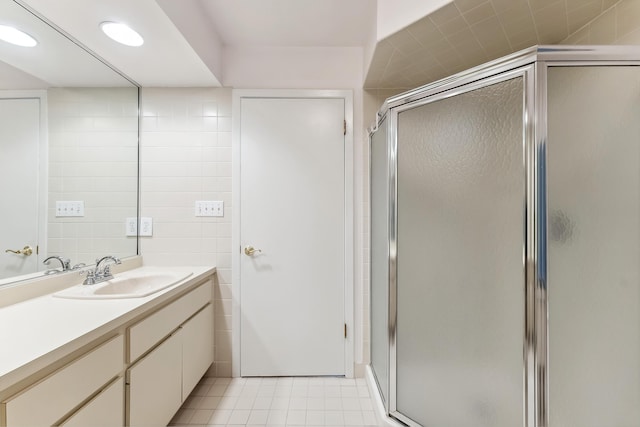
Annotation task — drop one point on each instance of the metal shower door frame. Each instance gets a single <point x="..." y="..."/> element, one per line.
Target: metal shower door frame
<point x="372" y="131"/>
<point x="483" y="80"/>
<point x="532" y="65"/>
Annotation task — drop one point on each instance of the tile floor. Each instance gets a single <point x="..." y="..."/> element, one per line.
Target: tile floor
<point x="288" y="402"/>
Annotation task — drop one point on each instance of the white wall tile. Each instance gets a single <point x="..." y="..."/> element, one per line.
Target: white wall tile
<point x="93" y="151"/>
<point x="186" y="156"/>
<point x="181" y="163"/>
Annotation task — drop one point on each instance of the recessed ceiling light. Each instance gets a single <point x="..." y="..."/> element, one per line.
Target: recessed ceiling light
<point x="14" y="36"/>
<point x="122" y="33"/>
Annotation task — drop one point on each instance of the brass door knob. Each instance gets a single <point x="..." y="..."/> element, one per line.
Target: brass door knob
<point x="27" y="250"/>
<point x="250" y="251"/>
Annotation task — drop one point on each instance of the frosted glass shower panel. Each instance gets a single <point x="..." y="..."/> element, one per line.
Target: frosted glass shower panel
<point x="460" y="291"/>
<point x="593" y="183"/>
<point x="380" y="258"/>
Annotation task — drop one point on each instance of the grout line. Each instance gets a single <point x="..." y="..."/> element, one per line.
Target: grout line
<point x="343" y="400"/>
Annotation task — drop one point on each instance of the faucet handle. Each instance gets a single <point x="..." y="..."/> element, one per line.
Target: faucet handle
<point x="91" y="277"/>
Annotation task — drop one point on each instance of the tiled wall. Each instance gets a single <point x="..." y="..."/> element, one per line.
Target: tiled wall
<point x="186" y="156"/>
<point x="466" y="33"/>
<point x="620" y="24"/>
<point x="185" y="153"/>
<point x="93" y="144"/>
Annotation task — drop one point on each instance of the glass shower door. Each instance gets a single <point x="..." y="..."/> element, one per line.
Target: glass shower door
<point x="594" y="246"/>
<point x="379" y="268"/>
<point x="460" y="272"/>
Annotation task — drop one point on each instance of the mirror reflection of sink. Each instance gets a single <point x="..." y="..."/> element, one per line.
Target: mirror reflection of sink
<point x="132" y="286"/>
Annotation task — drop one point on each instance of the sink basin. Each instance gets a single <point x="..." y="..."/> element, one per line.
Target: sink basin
<point x="133" y="286"/>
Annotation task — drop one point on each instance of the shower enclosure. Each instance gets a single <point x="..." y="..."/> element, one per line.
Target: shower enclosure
<point x="505" y="244"/>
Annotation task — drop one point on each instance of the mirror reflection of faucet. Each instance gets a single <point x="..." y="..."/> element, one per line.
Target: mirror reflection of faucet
<point x="65" y="263"/>
<point x="98" y="275"/>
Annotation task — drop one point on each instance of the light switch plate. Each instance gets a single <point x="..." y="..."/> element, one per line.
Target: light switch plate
<point x="69" y="208"/>
<point x="209" y="208"/>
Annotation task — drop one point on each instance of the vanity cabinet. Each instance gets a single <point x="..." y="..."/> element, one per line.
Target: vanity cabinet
<point x="104" y="410"/>
<point x="51" y="399"/>
<point x="135" y="372"/>
<point x="170" y="350"/>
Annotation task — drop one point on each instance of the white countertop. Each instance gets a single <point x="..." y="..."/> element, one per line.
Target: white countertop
<point x="38" y="331"/>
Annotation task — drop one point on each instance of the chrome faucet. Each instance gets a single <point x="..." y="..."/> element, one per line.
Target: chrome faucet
<point x="97" y="275"/>
<point x="64" y="262"/>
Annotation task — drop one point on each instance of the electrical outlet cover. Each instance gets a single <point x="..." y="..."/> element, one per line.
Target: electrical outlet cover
<point x="146" y="226"/>
<point x="131" y="226"/>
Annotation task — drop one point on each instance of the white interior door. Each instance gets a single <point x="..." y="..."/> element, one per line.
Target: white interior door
<point x="292" y="211"/>
<point x="19" y="174"/>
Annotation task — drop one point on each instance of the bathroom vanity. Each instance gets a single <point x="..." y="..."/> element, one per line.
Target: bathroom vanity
<point x="106" y="361"/>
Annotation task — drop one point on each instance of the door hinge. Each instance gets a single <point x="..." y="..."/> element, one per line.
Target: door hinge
<point x="344" y="127"/>
<point x="345" y="330"/>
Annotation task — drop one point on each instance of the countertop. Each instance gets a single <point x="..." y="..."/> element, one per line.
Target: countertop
<point x="38" y="331"/>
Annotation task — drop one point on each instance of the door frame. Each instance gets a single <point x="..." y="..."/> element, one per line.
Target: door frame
<point x="349" y="235"/>
<point x="43" y="166"/>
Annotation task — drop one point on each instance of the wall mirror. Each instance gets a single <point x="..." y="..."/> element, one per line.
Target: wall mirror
<point x="68" y="152"/>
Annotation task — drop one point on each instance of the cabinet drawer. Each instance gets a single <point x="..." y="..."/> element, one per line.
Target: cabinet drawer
<point x="151" y="330"/>
<point x="104" y="410"/>
<point x="52" y="398"/>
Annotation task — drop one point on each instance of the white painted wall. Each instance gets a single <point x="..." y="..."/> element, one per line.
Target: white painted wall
<point x="293" y="67"/>
<point x="192" y="22"/>
<point x="394" y="15"/>
<point x="369" y="48"/>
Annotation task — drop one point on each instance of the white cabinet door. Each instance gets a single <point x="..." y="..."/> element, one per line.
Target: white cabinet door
<point x="197" y="348"/>
<point x="151" y="330"/>
<point x="155" y="384"/>
<point x="105" y="410"/>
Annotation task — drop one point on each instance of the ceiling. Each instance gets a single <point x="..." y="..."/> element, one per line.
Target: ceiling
<point x="47" y="63"/>
<point x="185" y="39"/>
<point x="165" y="59"/>
<point x="182" y="37"/>
<point x="291" y="22"/>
